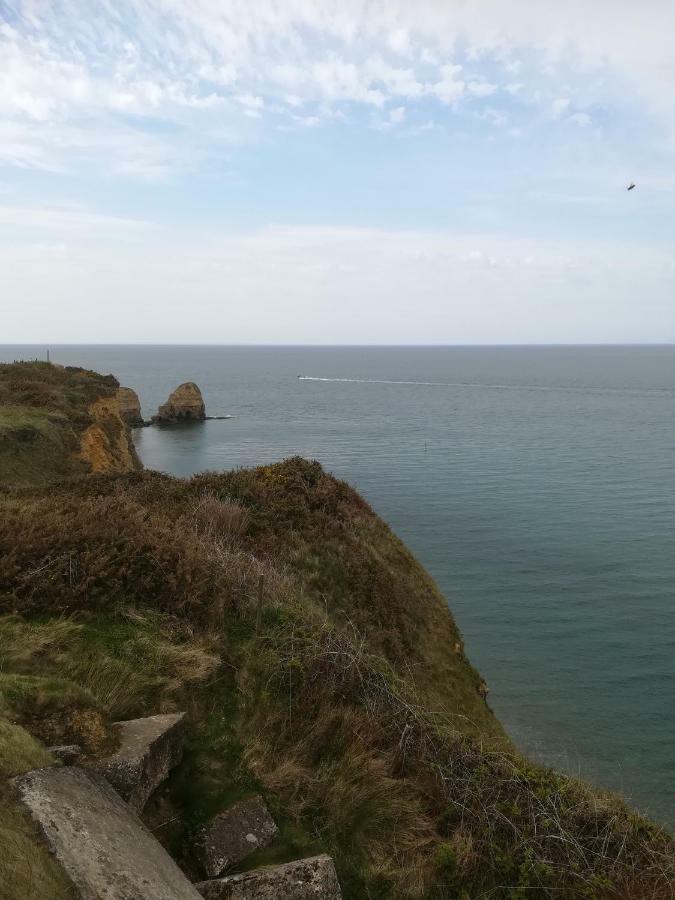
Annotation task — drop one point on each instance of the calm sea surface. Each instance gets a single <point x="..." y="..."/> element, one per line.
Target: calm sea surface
<point x="537" y="485"/>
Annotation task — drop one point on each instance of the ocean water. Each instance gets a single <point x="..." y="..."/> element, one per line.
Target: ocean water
<point x="537" y="485"/>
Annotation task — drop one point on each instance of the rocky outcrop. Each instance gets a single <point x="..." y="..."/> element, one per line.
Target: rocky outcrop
<point x="149" y="748"/>
<point x="184" y="404"/>
<point x="103" y="847"/>
<point x="306" y="879"/>
<point x="234" y="834"/>
<point x="130" y="407"/>
<point x="106" y="443"/>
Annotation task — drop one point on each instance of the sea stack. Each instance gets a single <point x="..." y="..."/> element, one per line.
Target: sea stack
<point x="130" y="406"/>
<point x="184" y="404"/>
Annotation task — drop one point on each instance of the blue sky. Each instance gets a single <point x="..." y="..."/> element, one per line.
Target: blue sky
<point x="337" y="172"/>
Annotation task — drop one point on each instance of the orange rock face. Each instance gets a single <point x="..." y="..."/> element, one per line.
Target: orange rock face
<point x="106" y="444"/>
<point x="130" y="406"/>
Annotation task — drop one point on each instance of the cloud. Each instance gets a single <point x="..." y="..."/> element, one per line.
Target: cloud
<point x="481" y="88"/>
<point x="559" y="106"/>
<point x="399" y="41"/>
<point x="437" y="287"/>
<point x="396" y="116"/>
<point x="450" y="87"/>
<point x="171" y="60"/>
<point x="36" y="220"/>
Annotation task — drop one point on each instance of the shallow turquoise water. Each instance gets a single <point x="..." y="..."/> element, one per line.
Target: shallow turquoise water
<point x="536" y="484"/>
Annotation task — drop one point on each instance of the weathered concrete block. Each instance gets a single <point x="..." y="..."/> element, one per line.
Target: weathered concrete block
<point x="305" y="879"/>
<point x="149" y="749"/>
<point x="232" y="835"/>
<point x="103" y="847"/>
<point x="66" y="753"/>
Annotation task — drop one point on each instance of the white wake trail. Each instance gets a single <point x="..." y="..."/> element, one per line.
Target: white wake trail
<point x="494" y="387"/>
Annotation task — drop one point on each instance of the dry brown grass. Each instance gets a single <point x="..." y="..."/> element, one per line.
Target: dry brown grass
<point x="219" y="519"/>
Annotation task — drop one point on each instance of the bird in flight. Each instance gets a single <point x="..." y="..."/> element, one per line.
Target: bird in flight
<point x="631" y="186"/>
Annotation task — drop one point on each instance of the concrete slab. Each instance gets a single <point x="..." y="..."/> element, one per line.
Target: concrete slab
<point x="66" y="753"/>
<point x="103" y="847"/>
<point x="305" y="879"/>
<point x="149" y="749"/>
<point x="234" y="834"/>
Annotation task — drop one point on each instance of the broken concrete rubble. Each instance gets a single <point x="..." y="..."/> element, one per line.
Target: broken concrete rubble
<point x="66" y="753"/>
<point x="234" y="834"/>
<point x="149" y="749"/>
<point x="103" y="847"/>
<point x="305" y="879"/>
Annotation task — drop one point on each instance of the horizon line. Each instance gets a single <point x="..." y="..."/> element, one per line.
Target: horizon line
<point x="421" y="346"/>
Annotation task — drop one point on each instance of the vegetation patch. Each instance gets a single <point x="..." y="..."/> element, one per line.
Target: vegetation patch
<point x="43" y="413"/>
<point x="319" y="665"/>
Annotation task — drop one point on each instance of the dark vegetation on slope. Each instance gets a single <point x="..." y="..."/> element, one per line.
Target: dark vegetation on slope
<point x="319" y="664"/>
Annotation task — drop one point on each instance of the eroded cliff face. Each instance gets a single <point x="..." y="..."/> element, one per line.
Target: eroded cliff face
<point x="58" y="422"/>
<point x="106" y="444"/>
<point x="130" y="406"/>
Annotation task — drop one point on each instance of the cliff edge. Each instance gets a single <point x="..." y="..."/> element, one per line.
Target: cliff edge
<point x="58" y="422"/>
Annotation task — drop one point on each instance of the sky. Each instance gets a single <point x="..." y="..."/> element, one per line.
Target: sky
<point x="337" y="171"/>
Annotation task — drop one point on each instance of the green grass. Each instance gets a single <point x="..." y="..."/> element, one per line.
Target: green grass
<point x="43" y="412"/>
<point x="36" y="446"/>
<point x="26" y="870"/>
<point x="20" y="751"/>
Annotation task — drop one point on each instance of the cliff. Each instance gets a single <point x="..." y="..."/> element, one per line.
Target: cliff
<point x="320" y="668"/>
<point x="58" y="422"/>
<point x="130" y="406"/>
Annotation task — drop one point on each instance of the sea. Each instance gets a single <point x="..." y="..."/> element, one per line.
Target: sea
<point x="536" y="484"/>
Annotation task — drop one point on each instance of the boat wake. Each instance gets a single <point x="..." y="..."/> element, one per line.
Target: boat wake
<point x="494" y="387"/>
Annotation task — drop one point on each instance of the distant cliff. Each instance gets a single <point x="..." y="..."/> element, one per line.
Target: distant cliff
<point x="58" y="422"/>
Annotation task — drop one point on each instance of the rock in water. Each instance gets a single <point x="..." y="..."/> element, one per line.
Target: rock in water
<point x="103" y="847"/>
<point x="184" y="404"/>
<point x="149" y="749"/>
<point x="234" y="834"/>
<point x="304" y="879"/>
<point x="130" y="406"/>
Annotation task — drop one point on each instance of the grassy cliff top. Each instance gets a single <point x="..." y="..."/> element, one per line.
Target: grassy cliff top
<point x="45" y="410"/>
<point x="319" y="664"/>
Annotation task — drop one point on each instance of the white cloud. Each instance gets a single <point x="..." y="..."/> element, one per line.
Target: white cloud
<point x="394" y="118"/>
<point x="399" y="41"/>
<point x="65" y="219"/>
<point x="495" y="117"/>
<point x="437" y="287"/>
<point x="65" y="65"/>
<point x="482" y="88"/>
<point x="307" y="121"/>
<point x="583" y="120"/>
<point x="450" y="88"/>
<point x="559" y="106"/>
